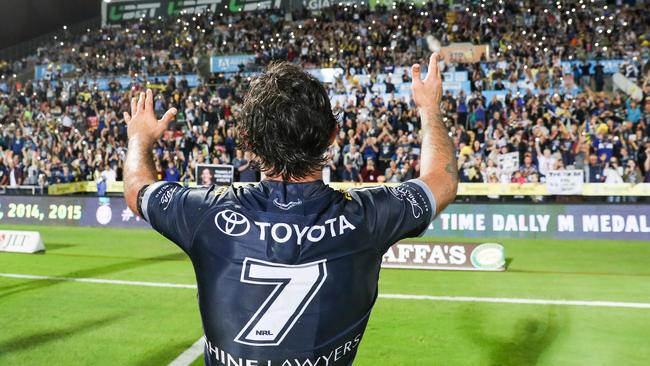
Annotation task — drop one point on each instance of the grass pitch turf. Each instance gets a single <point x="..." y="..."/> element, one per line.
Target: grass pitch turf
<point x="48" y="322"/>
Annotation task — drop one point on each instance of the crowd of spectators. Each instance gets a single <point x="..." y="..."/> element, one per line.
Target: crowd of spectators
<point x="62" y="128"/>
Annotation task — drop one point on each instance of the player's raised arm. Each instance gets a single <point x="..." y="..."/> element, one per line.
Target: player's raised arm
<point x="143" y="131"/>
<point x="438" y="167"/>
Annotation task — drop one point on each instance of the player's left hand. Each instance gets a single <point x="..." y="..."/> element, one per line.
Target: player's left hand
<point x="427" y="93"/>
<point x="142" y="123"/>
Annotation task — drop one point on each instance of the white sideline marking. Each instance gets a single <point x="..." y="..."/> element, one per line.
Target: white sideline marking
<point x="507" y="300"/>
<point x="96" y="280"/>
<point x="190" y="354"/>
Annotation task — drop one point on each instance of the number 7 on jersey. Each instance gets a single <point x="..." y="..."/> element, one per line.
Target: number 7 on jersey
<point x="294" y="288"/>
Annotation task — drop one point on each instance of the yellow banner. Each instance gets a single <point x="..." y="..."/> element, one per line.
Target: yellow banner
<point x="68" y="188"/>
<point x="620" y="189"/>
<point x="464" y="189"/>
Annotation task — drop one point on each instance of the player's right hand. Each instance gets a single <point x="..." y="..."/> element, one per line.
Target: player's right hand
<point x="427" y="93"/>
<point x="142" y="122"/>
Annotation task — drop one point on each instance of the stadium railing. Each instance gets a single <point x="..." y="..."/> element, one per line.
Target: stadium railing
<point x="23" y="190"/>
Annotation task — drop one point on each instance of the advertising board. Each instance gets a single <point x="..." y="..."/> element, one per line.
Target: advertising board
<point x="445" y="255"/>
<point x="542" y="221"/>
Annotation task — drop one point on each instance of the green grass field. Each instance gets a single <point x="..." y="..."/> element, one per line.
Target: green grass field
<point x="52" y="322"/>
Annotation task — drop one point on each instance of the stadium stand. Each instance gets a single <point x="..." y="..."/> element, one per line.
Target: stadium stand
<point x="541" y="101"/>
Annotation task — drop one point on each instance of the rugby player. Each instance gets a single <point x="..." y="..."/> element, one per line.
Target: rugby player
<point x="287" y="269"/>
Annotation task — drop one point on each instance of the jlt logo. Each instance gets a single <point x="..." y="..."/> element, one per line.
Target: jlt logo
<point x="232" y="223"/>
<point x="12" y="240"/>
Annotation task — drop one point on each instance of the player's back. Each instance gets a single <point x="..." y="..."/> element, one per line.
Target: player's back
<point x="286" y="271"/>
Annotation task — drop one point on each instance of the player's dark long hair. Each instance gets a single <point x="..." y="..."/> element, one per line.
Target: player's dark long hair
<point x="287" y="121"/>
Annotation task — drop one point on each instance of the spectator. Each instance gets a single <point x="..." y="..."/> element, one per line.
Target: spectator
<point x="247" y="171"/>
<point x="392" y="173"/>
<point x="599" y="76"/>
<point x="15" y="172"/>
<point x="594" y="169"/>
<point x="350" y="173"/>
<point x="528" y="168"/>
<point x="546" y="160"/>
<point x="633" y="111"/>
<point x="646" y="163"/>
<point x="4" y="173"/>
<point x="239" y="162"/>
<point x="632" y="173"/>
<point x="171" y="173"/>
<point x="64" y="129"/>
<point x="518" y="177"/>
<point x="32" y="174"/>
<point x="109" y="175"/>
<point x="369" y="173"/>
<point x="613" y="174"/>
<point x="353" y="158"/>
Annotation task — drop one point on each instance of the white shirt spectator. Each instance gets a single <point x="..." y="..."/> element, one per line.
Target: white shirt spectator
<point x="109" y="175"/>
<point x="12" y="179"/>
<point x="66" y="121"/>
<point x="613" y="175"/>
<point x="546" y="164"/>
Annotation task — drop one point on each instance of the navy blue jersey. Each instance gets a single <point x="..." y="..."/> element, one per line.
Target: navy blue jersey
<point x="286" y="272"/>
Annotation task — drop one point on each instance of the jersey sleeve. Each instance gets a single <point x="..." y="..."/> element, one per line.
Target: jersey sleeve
<point x="176" y="211"/>
<point x="395" y="213"/>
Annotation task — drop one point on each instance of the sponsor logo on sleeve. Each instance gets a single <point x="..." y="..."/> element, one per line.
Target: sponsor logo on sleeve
<point x="403" y="193"/>
<point x="166" y="195"/>
<point x="232" y="223"/>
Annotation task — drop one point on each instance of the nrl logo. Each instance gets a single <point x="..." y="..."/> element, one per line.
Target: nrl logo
<point x="287" y="206"/>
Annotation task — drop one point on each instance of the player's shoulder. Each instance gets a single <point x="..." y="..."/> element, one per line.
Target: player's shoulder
<point x="364" y="200"/>
<point x="366" y="194"/>
<point x="412" y="191"/>
<point x="222" y="191"/>
<point x="393" y="189"/>
<point x="210" y="194"/>
<point x="226" y="195"/>
<point x="166" y="191"/>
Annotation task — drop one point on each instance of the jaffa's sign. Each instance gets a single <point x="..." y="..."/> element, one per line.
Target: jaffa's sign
<point x="445" y="255"/>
